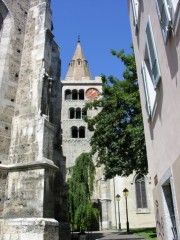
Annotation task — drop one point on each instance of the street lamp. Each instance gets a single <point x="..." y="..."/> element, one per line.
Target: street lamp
<point x="118" y="197"/>
<point x="126" y="192"/>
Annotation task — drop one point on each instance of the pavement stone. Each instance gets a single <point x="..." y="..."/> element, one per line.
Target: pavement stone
<point x="108" y="235"/>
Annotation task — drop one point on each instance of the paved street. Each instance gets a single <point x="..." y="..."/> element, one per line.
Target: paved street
<point x="108" y="235"/>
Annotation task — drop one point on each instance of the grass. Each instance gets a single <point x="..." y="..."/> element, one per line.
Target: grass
<point x="148" y="233"/>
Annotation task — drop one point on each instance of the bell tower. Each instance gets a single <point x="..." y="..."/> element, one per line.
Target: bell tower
<point x="77" y="89"/>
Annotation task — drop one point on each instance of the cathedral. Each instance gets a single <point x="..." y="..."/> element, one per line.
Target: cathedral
<point x="42" y="132"/>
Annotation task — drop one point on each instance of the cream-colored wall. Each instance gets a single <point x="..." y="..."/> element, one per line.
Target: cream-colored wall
<point x="137" y="217"/>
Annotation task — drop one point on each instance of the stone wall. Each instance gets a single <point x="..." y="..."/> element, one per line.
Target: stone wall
<point x="32" y="167"/>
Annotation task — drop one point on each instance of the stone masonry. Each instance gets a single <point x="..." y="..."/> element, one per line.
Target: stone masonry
<point x="33" y="202"/>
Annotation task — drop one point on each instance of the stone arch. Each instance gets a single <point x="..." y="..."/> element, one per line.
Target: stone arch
<point x="81" y="94"/>
<point x="78" y="113"/>
<point x="71" y="113"/>
<point x="68" y="94"/>
<point x="84" y="112"/>
<point x="74" y="132"/>
<point x="82" y="132"/>
<point x="74" y="94"/>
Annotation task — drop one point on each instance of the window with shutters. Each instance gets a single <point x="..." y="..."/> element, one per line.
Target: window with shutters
<point x="164" y="14"/>
<point x="135" y="11"/>
<point x="140" y="188"/>
<point x="150" y="71"/>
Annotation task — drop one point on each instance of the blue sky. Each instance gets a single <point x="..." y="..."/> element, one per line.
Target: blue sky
<point x="101" y="24"/>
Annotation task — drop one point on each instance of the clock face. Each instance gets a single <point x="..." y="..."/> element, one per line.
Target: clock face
<point x="92" y="94"/>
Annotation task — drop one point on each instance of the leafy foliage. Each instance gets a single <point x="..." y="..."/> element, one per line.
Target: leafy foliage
<point x="118" y="137"/>
<point x="80" y="185"/>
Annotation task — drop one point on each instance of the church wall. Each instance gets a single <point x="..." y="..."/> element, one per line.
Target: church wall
<point x="11" y="44"/>
<point x="138" y="217"/>
<point x="31" y="157"/>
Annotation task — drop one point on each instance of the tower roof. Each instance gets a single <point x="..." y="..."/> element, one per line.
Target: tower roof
<point x="78" y="67"/>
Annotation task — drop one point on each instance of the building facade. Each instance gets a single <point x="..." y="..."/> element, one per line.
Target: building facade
<point x="32" y="186"/>
<point x="155" y="27"/>
<point x="78" y="88"/>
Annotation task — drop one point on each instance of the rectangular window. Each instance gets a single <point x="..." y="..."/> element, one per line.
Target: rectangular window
<point x="164" y="15"/>
<point x="170" y="211"/>
<point x="135" y="10"/>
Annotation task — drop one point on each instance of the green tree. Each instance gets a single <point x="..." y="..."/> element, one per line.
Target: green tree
<point x="118" y="137"/>
<point x="80" y="189"/>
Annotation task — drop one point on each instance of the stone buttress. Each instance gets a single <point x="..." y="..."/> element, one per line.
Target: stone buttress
<point x="33" y="202"/>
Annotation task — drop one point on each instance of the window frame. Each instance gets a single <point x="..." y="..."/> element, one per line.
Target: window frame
<point x="141" y="197"/>
<point x="68" y="94"/>
<point x="74" y="131"/>
<point x="152" y="53"/>
<point x="135" y="11"/>
<point x="164" y="15"/>
<point x="82" y="132"/>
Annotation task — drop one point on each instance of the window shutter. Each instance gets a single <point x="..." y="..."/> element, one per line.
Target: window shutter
<point x="135" y="10"/>
<point x="155" y="70"/>
<point x="148" y="107"/>
<point x="164" y="17"/>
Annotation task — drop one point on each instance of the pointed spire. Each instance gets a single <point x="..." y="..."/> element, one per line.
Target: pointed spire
<point x="78" y="67"/>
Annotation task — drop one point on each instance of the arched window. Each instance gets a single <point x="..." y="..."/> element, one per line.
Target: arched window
<point x="84" y="112"/>
<point x="71" y="113"/>
<point x="74" y="132"/>
<point x="140" y="187"/>
<point x="78" y="113"/>
<point x="74" y="94"/>
<point x="82" y="132"/>
<point x="81" y="94"/>
<point x="68" y="94"/>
